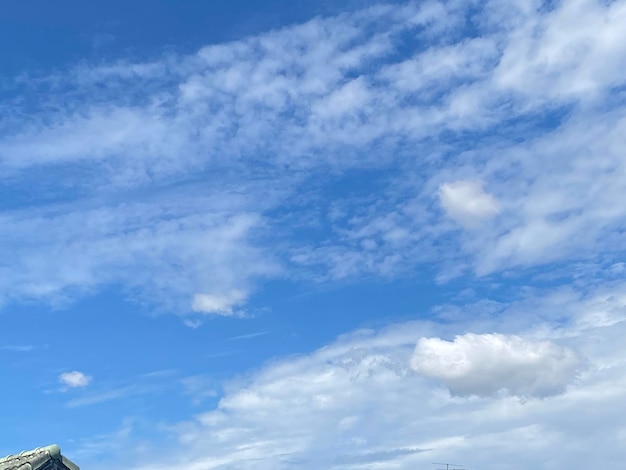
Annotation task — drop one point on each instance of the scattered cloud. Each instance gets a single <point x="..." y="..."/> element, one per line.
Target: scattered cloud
<point x="225" y="144"/>
<point x="313" y="152"/>
<point x="75" y="379"/>
<point x="327" y="409"/>
<point x="218" y="304"/>
<point x="467" y="202"/>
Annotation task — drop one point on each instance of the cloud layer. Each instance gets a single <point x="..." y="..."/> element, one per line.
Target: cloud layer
<point x="480" y="140"/>
<point x="270" y="122"/>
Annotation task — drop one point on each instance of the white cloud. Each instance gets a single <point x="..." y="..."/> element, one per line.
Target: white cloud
<point x="572" y="52"/>
<point x="487" y="364"/>
<point x="357" y="403"/>
<point x="467" y="202"/>
<point x="167" y="195"/>
<point x="144" y="385"/>
<point x="74" y="379"/>
<point x="279" y="109"/>
<point x="564" y="203"/>
<point x="218" y="304"/>
<point x="160" y="252"/>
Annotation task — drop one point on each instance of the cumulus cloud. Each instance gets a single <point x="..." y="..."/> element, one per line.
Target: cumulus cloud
<point x="486" y="364"/>
<point x="74" y="379"/>
<point x="218" y="304"/>
<point x="467" y="202"/>
<point x="358" y="403"/>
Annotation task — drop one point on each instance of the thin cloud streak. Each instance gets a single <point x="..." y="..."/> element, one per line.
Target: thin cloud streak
<point x="248" y="336"/>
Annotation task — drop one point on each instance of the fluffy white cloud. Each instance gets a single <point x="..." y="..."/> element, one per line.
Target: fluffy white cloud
<point x="467" y="202"/>
<point x="487" y="364"/>
<point x="218" y="304"/>
<point x="74" y="379"/>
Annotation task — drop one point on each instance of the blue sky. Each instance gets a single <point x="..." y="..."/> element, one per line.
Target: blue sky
<point x="309" y="235"/>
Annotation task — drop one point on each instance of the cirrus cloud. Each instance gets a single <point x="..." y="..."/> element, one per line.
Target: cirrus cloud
<point x="290" y="108"/>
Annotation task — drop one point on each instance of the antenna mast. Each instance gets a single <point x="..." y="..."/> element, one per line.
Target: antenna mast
<point x="450" y="466"/>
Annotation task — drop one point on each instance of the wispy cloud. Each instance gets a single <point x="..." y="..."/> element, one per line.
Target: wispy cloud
<point x="197" y="166"/>
<point x="144" y="384"/>
<point x="363" y="144"/>
<point x="102" y="396"/>
<point x="200" y="388"/>
<point x="20" y="348"/>
<point x="247" y="336"/>
<point x="329" y="407"/>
